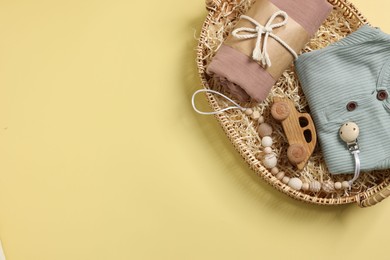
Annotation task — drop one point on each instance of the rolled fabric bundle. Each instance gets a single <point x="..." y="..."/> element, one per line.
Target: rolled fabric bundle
<point x="264" y="43"/>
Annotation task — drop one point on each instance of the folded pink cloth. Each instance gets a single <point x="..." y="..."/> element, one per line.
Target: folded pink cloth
<point x="244" y="77"/>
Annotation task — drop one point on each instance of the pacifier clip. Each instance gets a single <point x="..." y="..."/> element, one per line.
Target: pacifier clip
<point x="349" y="133"/>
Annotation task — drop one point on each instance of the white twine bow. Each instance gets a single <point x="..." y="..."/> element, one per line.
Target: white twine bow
<point x="260" y="54"/>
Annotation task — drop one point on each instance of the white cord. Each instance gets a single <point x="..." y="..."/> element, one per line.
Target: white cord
<point x="257" y="32"/>
<point x="357" y="167"/>
<point x="236" y="106"/>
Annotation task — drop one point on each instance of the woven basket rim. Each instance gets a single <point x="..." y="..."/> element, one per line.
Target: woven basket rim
<point x="349" y="11"/>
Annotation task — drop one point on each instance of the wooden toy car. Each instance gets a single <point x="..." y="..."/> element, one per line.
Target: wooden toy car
<point x="299" y="129"/>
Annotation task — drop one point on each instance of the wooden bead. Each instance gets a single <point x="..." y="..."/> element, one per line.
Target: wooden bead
<point x="328" y="186"/>
<point x="349" y="132"/>
<point x="280" y="175"/>
<point x="305" y="186"/>
<point x="248" y="111"/>
<point x="295" y="183"/>
<point x="261" y="119"/>
<point x="274" y="171"/>
<point x="338" y="185"/>
<point x="285" y="179"/>
<point x="267" y="150"/>
<point x="270" y="161"/>
<point x="315" y="186"/>
<point x="255" y="115"/>
<point x="264" y="130"/>
<point x="266" y="141"/>
<point x="345" y="184"/>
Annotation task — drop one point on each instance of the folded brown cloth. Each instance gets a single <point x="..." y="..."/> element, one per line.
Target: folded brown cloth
<point x="264" y="43"/>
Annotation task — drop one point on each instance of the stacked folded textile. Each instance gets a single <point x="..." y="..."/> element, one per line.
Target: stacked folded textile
<point x="349" y="81"/>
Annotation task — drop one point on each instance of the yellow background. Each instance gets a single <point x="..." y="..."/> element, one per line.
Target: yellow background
<point x="102" y="157"/>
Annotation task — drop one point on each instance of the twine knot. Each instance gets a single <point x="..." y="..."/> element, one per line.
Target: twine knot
<point x="266" y="29"/>
<point x="260" y="52"/>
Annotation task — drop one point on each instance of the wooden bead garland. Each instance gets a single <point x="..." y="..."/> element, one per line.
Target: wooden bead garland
<point x="270" y="160"/>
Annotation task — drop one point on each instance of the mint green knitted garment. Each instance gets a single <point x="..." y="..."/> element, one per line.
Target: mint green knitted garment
<point x="354" y="69"/>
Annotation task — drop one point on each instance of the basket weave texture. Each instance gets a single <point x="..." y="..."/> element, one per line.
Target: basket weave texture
<point x="345" y="18"/>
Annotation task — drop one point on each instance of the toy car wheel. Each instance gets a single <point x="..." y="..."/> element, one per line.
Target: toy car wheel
<point x="296" y="153"/>
<point x="280" y="111"/>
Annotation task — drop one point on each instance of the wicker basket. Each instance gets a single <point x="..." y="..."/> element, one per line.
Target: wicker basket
<point x="367" y="192"/>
